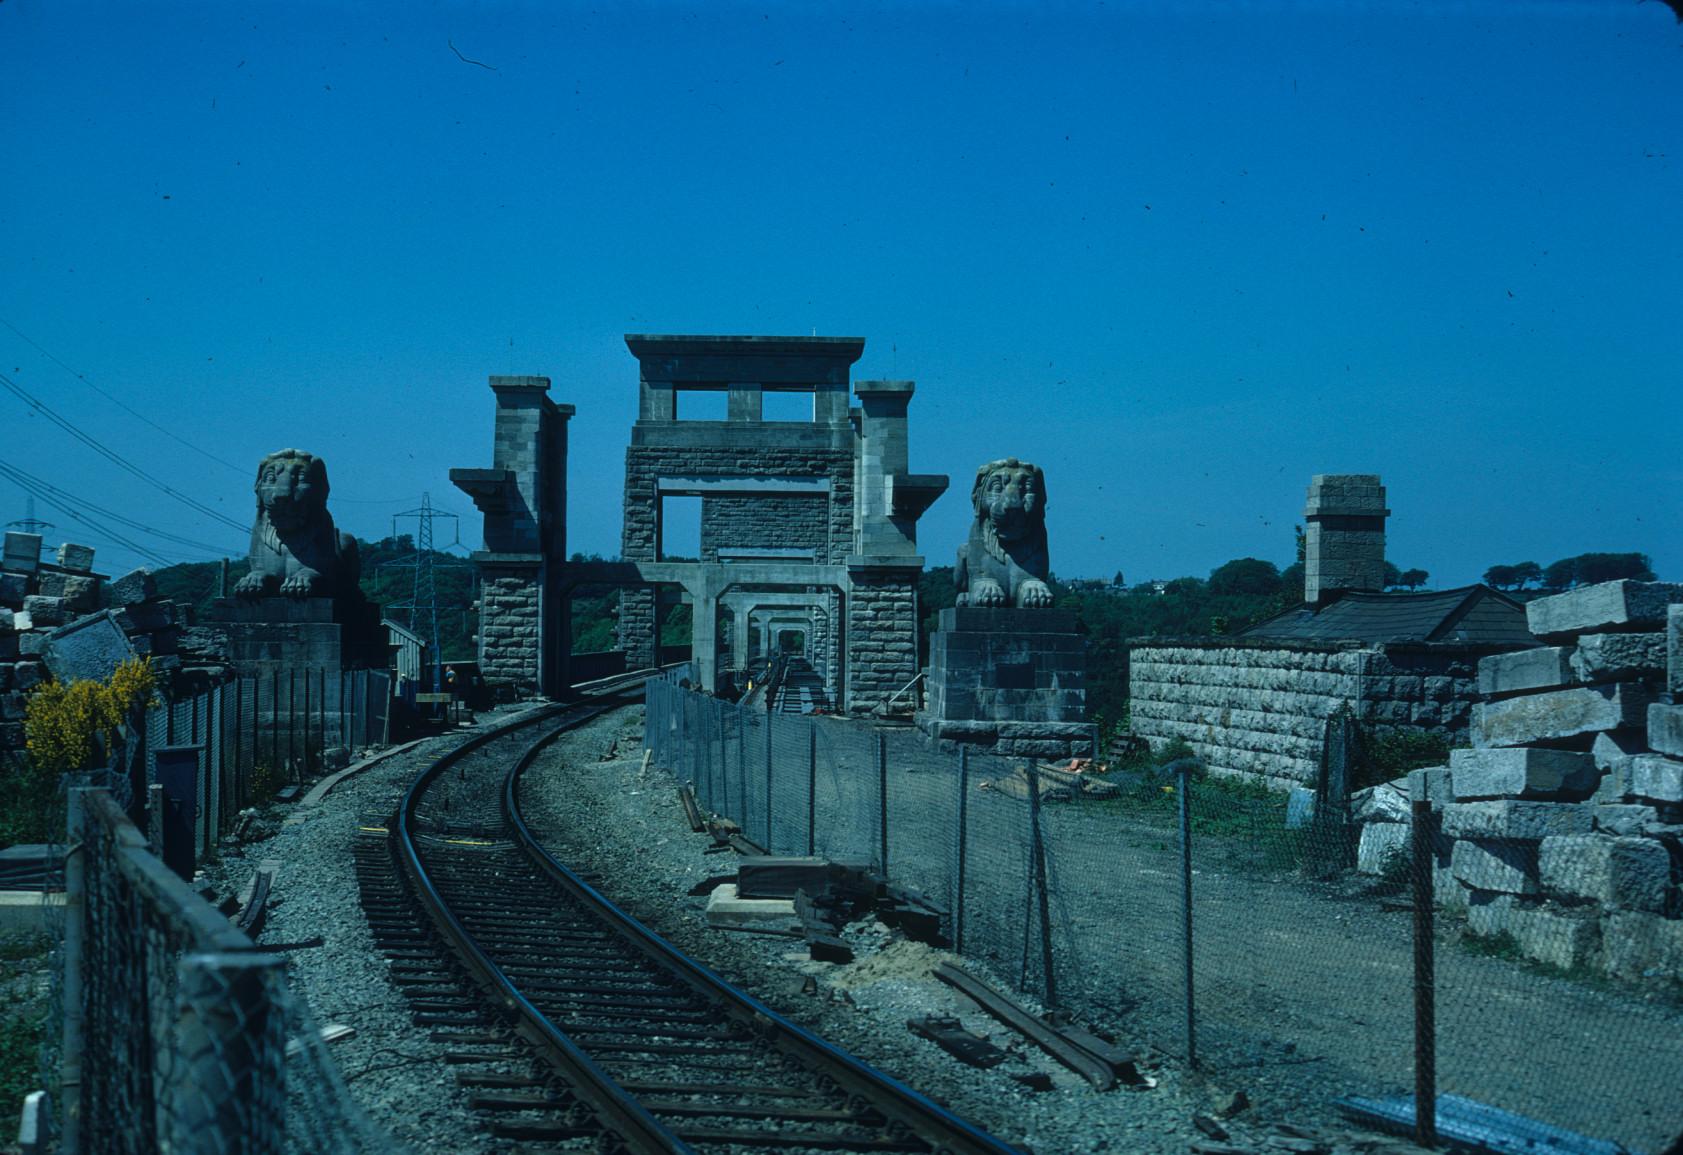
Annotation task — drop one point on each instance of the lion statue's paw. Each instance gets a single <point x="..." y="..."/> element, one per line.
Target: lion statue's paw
<point x="301" y="584"/>
<point x="1034" y="594"/>
<point x="250" y="586"/>
<point x="986" y="592"/>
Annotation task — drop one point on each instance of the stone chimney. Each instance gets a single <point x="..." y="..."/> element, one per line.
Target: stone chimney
<point x="1344" y="535"/>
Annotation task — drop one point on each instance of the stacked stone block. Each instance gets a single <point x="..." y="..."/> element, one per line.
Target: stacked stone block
<point x="61" y="621"/>
<point x="1566" y="818"/>
<point x="1262" y="710"/>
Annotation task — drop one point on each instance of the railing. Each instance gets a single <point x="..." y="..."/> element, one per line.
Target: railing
<point x="177" y="1033"/>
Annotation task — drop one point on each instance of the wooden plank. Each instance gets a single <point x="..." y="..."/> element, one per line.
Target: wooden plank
<point x="686" y="798"/>
<point x="774" y="876"/>
<point x="823" y="945"/>
<point x="1094" y="1070"/>
<point x="949" y="1034"/>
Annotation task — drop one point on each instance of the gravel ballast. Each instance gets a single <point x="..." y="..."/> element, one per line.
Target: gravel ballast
<point x="593" y="804"/>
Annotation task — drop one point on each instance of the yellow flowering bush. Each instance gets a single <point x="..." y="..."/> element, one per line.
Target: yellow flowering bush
<point x="64" y="723"/>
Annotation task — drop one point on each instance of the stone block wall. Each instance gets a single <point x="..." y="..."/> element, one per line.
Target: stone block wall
<point x="881" y="636"/>
<point x="645" y="463"/>
<point x="509" y="637"/>
<point x="1253" y="709"/>
<point x="798" y="521"/>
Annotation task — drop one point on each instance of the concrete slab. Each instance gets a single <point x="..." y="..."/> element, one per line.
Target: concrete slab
<point x="726" y="910"/>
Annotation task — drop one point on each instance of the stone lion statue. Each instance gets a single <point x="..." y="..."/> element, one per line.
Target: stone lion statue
<point x="296" y="550"/>
<point x="1005" y="563"/>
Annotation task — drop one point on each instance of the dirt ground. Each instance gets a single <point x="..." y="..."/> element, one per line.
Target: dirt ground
<point x="1303" y="990"/>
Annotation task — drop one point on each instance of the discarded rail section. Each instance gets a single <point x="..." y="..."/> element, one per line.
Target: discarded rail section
<point x="570" y="1020"/>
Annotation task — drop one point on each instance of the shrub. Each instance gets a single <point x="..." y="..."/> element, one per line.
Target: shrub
<point x="65" y="724"/>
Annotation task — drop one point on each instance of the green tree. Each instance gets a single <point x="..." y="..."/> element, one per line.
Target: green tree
<point x="1502" y="577"/>
<point x="1245" y="575"/>
<point x="1413" y="578"/>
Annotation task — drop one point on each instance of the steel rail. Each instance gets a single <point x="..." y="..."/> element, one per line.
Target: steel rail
<point x="616" y="1108"/>
<point x="943" y="1130"/>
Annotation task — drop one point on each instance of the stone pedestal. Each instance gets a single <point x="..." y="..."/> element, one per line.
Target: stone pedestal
<point x="271" y="633"/>
<point x="1014" y="682"/>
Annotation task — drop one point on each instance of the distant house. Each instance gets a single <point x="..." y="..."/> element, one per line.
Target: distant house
<point x="409" y="650"/>
<point x="1257" y="703"/>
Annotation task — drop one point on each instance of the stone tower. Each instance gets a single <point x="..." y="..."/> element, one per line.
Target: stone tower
<point x="1344" y="535"/>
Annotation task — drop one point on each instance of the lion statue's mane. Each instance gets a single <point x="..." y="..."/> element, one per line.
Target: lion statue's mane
<point x="296" y="550"/>
<point x="1004" y="563"/>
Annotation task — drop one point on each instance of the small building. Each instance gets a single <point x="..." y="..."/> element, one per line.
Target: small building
<point x="1257" y="703"/>
<point x="409" y="651"/>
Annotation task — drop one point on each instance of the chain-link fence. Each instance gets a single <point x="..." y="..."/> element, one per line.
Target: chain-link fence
<point x="174" y="1031"/>
<point x="1203" y="917"/>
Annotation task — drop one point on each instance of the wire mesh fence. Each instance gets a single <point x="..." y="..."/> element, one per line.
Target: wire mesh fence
<point x="174" y="1032"/>
<point x="1201" y="917"/>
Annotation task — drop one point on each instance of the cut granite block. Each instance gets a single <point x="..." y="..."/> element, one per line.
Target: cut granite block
<point x="135" y="586"/>
<point x="77" y="558"/>
<point x="1674" y="649"/>
<point x="1639" y="945"/>
<point x="1656" y="777"/>
<point x="1383" y="847"/>
<point x="1544" y="668"/>
<point x="1618" y="657"/>
<point x="1618" y="605"/>
<point x="1623" y="873"/>
<point x="1665" y="729"/>
<point x="1561" y="715"/>
<point x="1487" y="912"/>
<point x="1526" y="821"/>
<point x="22" y="552"/>
<point x="1508" y="867"/>
<point x="1568" y="939"/>
<point x="1624" y="818"/>
<point x="1523" y="772"/>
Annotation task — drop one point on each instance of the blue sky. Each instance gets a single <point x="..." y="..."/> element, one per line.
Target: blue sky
<point x="1182" y="257"/>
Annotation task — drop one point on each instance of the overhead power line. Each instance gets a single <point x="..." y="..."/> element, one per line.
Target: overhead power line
<point x="83" y="378"/>
<point x="31" y="484"/>
<point x="114" y="457"/>
<point x="94" y="524"/>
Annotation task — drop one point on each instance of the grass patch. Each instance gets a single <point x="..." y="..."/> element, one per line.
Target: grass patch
<point x="31" y="809"/>
<point x="23" y="1022"/>
<point x="1240" y="819"/>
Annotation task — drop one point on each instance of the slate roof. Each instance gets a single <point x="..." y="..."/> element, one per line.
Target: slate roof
<point x="1471" y="615"/>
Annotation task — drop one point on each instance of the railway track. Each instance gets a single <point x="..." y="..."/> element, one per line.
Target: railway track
<point x="574" y="1027"/>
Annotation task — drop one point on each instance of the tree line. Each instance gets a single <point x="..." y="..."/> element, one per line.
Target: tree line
<point x="1583" y="569"/>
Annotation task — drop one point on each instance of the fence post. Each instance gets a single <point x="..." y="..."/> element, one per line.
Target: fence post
<point x="741" y="765"/>
<point x="811" y="788"/>
<point x="1185" y="780"/>
<point x="769" y="848"/>
<point x="227" y="1086"/>
<point x="1037" y="846"/>
<point x="1425" y="980"/>
<point x="78" y="845"/>
<point x="963" y="844"/>
<point x="882" y="798"/>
